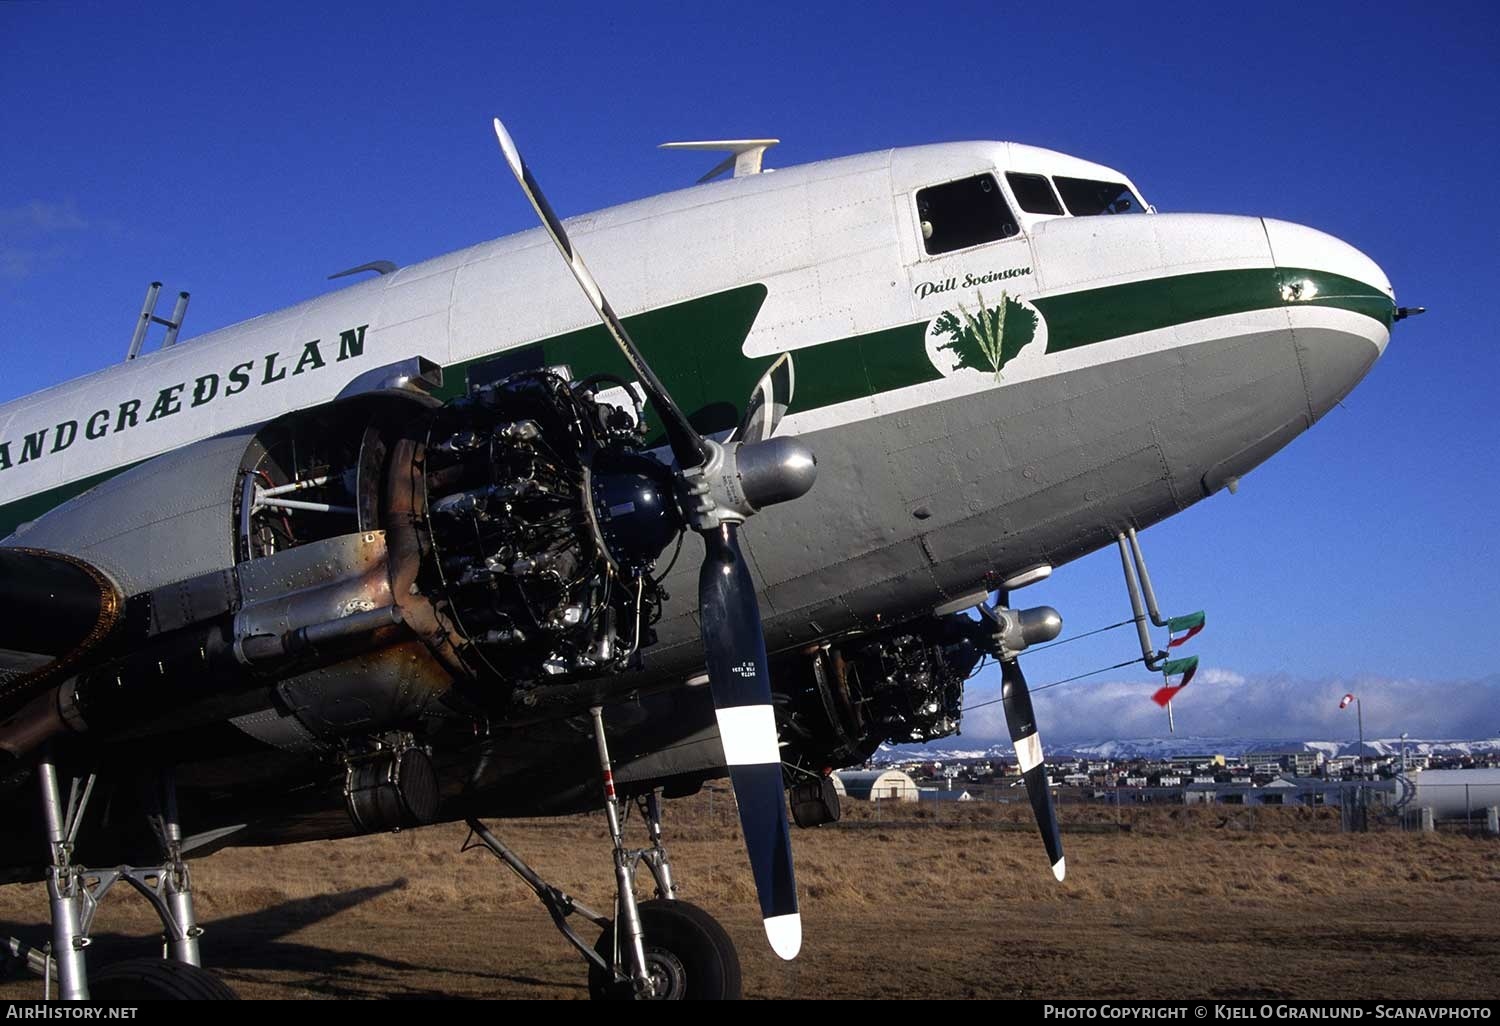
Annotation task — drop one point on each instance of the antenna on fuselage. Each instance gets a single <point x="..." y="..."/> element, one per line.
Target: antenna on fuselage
<point x="381" y="267"/>
<point x="744" y="154"/>
<point x="148" y="317"/>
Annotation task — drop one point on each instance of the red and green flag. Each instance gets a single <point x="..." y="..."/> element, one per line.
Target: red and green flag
<point x="1192" y="623"/>
<point x="1171" y="668"/>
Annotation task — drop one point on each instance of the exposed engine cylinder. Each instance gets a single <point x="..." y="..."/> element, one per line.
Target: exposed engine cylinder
<point x="903" y="685"/>
<point x="543" y="522"/>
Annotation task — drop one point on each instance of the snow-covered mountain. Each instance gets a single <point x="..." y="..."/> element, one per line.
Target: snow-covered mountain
<point x="1168" y="747"/>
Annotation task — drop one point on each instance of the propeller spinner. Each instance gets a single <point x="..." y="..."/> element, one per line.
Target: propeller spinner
<point x="722" y="486"/>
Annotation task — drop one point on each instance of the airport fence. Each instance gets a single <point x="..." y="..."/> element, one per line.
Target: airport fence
<point x="1331" y="807"/>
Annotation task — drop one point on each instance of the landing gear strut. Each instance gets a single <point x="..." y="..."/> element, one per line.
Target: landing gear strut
<point x="74" y="894"/>
<point x="658" y="950"/>
<point x="66" y="891"/>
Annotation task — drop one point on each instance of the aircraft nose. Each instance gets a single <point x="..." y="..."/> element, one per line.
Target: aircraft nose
<point x="1341" y="306"/>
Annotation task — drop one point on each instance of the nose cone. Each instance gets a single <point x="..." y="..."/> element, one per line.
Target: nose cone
<point x="1341" y="306"/>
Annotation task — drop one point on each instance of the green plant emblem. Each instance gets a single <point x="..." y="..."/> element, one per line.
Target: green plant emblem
<point x="989" y="339"/>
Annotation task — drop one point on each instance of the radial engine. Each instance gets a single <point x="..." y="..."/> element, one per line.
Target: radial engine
<point x="338" y="571"/>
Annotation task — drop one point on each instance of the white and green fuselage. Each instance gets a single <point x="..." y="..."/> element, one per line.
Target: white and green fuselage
<point x="975" y="411"/>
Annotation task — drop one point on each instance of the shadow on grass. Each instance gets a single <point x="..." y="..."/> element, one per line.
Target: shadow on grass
<point x="241" y="948"/>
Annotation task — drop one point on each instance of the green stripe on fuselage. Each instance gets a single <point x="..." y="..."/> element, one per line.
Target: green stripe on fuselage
<point x="696" y="347"/>
<point x="1083" y="318"/>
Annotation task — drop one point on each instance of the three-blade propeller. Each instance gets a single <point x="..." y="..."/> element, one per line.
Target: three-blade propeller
<point x="734" y="643"/>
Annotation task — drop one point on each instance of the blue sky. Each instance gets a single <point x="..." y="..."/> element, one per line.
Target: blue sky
<point x="244" y="153"/>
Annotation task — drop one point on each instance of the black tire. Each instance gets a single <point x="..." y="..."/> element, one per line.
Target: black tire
<point x="156" y="979"/>
<point x="686" y="949"/>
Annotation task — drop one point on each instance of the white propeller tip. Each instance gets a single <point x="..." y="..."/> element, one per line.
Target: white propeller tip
<point x="785" y="935"/>
<point x="508" y="147"/>
<point x="1060" y="868"/>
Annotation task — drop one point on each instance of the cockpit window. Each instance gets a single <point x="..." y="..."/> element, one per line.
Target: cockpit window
<point x="957" y="215"/>
<point x="1086" y="197"/>
<point x="1033" y="193"/>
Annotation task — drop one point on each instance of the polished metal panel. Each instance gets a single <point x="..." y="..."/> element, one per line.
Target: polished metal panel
<point x="160" y="522"/>
<point x="310" y="566"/>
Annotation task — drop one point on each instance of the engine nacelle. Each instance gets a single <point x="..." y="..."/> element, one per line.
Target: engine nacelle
<point x="837" y="703"/>
<point x="334" y="573"/>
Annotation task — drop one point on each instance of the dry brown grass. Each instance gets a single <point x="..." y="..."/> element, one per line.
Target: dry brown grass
<point x="953" y="903"/>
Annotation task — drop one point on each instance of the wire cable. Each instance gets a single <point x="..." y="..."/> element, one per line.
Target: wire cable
<point x="985" y="661"/>
<point x="1076" y="637"/>
<point x="1065" y="680"/>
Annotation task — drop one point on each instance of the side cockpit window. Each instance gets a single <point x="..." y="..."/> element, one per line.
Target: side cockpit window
<point x="1086" y="197"/>
<point x="1033" y="193"/>
<point x="957" y="215"/>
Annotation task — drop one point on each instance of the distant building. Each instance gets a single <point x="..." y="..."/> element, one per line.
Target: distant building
<point x="1283" y="790"/>
<point x="938" y="794"/>
<point x="1204" y="794"/>
<point x="1343" y="764"/>
<point x="1300" y="761"/>
<point x="878" y="785"/>
<point x="1189" y="763"/>
<point x="1280" y="791"/>
<point x="1305" y="764"/>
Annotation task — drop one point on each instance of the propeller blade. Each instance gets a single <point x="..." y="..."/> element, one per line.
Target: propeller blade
<point x="734" y="646"/>
<point x="1022" y="723"/>
<point x="734" y="642"/>
<point x="687" y="444"/>
<point x="768" y="402"/>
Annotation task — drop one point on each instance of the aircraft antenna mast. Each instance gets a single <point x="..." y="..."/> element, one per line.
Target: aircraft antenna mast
<point x="745" y="155"/>
<point x="148" y="317"/>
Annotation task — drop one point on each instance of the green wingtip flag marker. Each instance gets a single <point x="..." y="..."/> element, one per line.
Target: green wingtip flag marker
<point x="1186" y="666"/>
<point x="1192" y="623"/>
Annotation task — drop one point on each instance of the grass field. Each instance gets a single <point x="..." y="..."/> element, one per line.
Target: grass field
<point x="1185" y="903"/>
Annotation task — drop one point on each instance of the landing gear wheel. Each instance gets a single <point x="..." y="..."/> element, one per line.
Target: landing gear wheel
<point x="156" y="979"/>
<point x="688" y="956"/>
